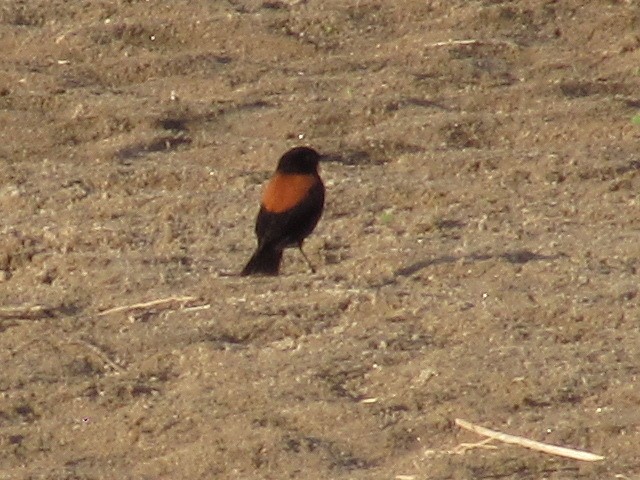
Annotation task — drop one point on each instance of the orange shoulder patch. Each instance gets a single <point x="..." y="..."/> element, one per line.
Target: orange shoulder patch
<point x="283" y="192"/>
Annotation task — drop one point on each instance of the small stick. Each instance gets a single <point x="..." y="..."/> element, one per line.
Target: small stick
<point x="453" y="42"/>
<point x="153" y="303"/>
<point x="195" y="308"/>
<point x="33" y="312"/>
<point x="103" y="356"/>
<point x="464" y="447"/>
<point x="532" y="444"/>
<point x="449" y="43"/>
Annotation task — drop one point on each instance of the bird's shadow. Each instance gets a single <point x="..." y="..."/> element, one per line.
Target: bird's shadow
<point x="517" y="257"/>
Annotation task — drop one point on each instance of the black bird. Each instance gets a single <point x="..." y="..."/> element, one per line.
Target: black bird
<point x="292" y="204"/>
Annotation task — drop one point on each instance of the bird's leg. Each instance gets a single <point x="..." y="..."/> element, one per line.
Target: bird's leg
<point x="311" y="267"/>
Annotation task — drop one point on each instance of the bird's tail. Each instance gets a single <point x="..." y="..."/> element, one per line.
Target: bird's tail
<point x="265" y="261"/>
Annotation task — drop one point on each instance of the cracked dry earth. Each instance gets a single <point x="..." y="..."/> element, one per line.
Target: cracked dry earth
<point x="478" y="256"/>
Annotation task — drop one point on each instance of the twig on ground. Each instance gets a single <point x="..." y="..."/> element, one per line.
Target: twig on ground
<point x="33" y="312"/>
<point x="465" y="447"/>
<point x="163" y="302"/>
<point x="195" y="308"/>
<point x="103" y="356"/>
<point x="532" y="444"/>
<point x="471" y="41"/>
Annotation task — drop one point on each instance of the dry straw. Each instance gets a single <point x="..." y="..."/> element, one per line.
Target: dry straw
<point x="532" y="444"/>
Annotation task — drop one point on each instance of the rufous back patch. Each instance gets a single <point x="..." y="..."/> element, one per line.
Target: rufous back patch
<point x="284" y="191"/>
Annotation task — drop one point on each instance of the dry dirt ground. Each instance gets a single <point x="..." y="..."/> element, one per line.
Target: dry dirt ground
<point x="478" y="257"/>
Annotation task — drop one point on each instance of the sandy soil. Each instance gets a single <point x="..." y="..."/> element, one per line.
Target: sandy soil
<point x="478" y="257"/>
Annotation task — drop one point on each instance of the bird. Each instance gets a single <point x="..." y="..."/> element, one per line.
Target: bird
<point x="291" y="206"/>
